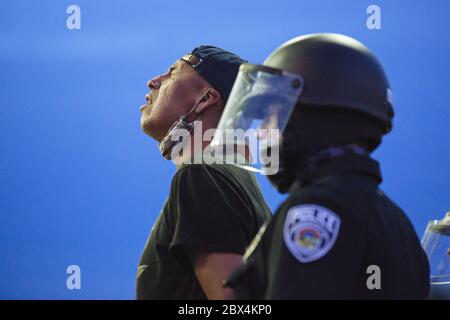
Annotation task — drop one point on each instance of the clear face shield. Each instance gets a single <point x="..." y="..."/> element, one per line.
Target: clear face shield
<point x="436" y="243"/>
<point x="256" y="114"/>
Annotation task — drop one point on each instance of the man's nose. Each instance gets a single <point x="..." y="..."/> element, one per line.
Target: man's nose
<point x="154" y="84"/>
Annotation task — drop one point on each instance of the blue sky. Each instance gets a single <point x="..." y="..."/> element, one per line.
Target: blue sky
<point x="81" y="184"/>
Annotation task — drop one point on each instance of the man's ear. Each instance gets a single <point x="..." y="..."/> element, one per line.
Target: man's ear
<point x="211" y="98"/>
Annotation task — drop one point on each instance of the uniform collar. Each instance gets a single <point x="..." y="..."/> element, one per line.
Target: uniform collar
<point x="356" y="164"/>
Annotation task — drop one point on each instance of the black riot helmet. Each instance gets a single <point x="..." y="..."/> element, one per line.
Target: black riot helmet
<point x="338" y="71"/>
<point x="316" y="91"/>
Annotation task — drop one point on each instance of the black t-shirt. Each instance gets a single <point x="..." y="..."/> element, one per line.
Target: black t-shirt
<point x="211" y="208"/>
<point x="337" y="237"/>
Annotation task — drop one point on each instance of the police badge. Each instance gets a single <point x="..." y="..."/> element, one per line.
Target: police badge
<point x="310" y="231"/>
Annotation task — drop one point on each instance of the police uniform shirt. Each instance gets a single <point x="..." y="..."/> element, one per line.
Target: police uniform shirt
<point x="337" y="236"/>
<point x="210" y="208"/>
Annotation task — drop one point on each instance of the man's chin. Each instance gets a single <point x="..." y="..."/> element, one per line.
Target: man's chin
<point x="146" y="125"/>
<point x="148" y="128"/>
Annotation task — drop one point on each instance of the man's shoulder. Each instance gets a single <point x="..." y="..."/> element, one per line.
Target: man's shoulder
<point x="217" y="181"/>
<point x="200" y="172"/>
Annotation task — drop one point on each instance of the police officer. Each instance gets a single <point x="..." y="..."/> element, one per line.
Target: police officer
<point x="436" y="243"/>
<point x="337" y="235"/>
<point x="213" y="210"/>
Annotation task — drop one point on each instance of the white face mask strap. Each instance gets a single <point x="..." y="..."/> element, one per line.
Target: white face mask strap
<point x="166" y="145"/>
<point x="184" y="116"/>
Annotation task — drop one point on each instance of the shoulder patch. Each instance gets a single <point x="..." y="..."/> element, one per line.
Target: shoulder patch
<point x="310" y="231"/>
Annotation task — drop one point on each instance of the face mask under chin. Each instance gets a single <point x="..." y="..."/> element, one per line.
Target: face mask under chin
<point x="167" y="143"/>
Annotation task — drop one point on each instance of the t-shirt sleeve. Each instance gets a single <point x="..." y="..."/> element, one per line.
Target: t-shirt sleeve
<point x="209" y="213"/>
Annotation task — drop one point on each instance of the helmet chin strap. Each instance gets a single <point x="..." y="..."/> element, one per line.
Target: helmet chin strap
<point x="167" y="143"/>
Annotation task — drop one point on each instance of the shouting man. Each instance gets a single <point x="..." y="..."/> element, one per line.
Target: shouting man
<point x="213" y="211"/>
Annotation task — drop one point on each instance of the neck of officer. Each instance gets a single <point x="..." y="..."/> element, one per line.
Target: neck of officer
<point x="347" y="159"/>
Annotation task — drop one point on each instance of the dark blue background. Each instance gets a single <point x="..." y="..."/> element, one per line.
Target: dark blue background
<point x="81" y="184"/>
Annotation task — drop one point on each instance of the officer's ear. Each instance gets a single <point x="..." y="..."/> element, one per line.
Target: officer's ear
<point x="211" y="98"/>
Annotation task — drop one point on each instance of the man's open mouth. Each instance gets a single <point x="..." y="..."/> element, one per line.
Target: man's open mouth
<point x="149" y="100"/>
